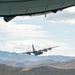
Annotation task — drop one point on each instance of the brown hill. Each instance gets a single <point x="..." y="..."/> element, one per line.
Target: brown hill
<point x="8" y="70"/>
<point x="50" y="71"/>
<point x="66" y="65"/>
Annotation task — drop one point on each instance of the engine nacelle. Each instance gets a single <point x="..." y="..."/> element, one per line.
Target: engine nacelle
<point x="8" y="18"/>
<point x="28" y="53"/>
<point x="49" y="48"/>
<point x="45" y="50"/>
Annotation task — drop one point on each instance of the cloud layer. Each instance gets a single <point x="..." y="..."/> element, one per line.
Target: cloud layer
<point x="65" y="16"/>
<point x="19" y="37"/>
<point x="12" y="35"/>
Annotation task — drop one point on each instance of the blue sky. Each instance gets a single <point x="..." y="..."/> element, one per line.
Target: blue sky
<point x="55" y="29"/>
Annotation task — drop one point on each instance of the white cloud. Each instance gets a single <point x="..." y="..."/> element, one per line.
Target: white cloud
<point x="12" y="30"/>
<point x="15" y="37"/>
<point x="64" y="16"/>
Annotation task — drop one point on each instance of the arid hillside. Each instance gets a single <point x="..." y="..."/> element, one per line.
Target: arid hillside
<point x="44" y="70"/>
<point x="50" y="71"/>
<point x="66" y="65"/>
<point x="9" y="70"/>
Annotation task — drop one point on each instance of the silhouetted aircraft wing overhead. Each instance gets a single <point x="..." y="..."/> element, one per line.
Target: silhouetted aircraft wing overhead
<point x="12" y="8"/>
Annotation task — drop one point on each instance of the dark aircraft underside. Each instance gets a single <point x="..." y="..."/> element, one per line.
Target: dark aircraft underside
<point x="12" y="8"/>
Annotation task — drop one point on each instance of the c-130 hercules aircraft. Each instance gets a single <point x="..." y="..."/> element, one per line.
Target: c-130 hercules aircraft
<point x="9" y="9"/>
<point x="39" y="52"/>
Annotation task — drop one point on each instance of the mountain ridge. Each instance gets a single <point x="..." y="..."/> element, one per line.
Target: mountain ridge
<point x="20" y="60"/>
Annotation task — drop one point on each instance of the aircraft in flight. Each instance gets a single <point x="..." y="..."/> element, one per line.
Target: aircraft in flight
<point x="39" y="52"/>
<point x="9" y="9"/>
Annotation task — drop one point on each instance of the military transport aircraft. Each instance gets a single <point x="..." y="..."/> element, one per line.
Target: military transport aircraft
<point x="9" y="9"/>
<point x="39" y="51"/>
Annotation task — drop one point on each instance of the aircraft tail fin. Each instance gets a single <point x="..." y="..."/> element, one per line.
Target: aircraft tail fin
<point x="33" y="47"/>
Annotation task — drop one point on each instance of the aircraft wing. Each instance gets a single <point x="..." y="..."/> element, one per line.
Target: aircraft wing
<point x="46" y="49"/>
<point x="39" y="51"/>
<point x="12" y="8"/>
<point x="27" y="52"/>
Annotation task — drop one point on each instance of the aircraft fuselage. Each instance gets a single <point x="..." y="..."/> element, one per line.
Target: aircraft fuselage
<point x="37" y="52"/>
